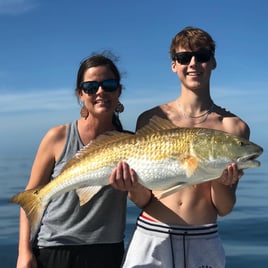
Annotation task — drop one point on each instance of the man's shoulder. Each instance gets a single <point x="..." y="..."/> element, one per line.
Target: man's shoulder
<point x="232" y="123"/>
<point x="145" y="117"/>
<point x="236" y="126"/>
<point x="151" y="112"/>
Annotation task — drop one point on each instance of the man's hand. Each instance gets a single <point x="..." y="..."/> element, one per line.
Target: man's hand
<point x="231" y="175"/>
<point x="123" y="177"/>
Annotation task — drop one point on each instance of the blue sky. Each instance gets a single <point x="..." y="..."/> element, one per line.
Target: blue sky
<point x="43" y="42"/>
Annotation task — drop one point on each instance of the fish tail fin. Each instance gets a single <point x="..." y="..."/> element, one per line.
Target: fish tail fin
<point x="34" y="206"/>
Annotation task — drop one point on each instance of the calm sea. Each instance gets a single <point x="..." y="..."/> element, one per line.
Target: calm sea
<point x="244" y="232"/>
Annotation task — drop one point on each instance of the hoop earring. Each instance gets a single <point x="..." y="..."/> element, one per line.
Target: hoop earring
<point x="84" y="112"/>
<point x="119" y="108"/>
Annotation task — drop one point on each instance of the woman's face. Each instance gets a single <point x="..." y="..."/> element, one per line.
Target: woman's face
<point x="101" y="101"/>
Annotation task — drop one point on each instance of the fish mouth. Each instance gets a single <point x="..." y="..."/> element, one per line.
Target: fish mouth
<point x="250" y="160"/>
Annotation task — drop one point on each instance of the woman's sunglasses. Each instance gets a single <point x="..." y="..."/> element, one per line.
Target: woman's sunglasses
<point x="201" y="56"/>
<point x="91" y="87"/>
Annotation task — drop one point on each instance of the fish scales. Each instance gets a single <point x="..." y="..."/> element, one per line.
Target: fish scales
<point x="143" y="152"/>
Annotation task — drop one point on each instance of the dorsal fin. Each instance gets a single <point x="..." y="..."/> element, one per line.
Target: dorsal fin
<point x="106" y="138"/>
<point x="156" y="123"/>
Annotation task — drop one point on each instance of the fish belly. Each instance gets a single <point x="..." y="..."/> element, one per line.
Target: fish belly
<point x="63" y="183"/>
<point x="160" y="174"/>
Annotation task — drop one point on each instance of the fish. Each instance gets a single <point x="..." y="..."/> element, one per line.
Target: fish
<point x="165" y="158"/>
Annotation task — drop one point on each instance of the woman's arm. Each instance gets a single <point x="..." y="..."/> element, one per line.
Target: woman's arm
<point x="42" y="168"/>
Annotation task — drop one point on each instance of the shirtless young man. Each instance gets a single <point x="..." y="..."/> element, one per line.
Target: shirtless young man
<point x="180" y="230"/>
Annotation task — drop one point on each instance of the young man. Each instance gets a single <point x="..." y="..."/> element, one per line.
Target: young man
<point x="180" y="230"/>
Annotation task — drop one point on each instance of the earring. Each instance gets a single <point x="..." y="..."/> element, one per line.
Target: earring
<point x="84" y="112"/>
<point x="119" y="107"/>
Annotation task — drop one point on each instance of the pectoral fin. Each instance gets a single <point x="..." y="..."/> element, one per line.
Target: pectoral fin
<point x="85" y="194"/>
<point x="190" y="164"/>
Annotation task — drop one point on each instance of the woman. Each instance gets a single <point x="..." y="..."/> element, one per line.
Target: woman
<point x="71" y="235"/>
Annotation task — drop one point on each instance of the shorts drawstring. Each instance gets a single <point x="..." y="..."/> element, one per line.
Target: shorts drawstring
<point x="172" y="250"/>
<point x="184" y="249"/>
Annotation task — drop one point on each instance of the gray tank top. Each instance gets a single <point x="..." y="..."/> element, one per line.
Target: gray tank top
<point x="101" y="220"/>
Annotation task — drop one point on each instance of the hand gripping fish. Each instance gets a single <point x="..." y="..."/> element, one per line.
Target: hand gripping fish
<point x="165" y="158"/>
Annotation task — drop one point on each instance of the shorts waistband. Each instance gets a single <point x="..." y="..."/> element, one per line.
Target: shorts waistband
<point x="179" y="230"/>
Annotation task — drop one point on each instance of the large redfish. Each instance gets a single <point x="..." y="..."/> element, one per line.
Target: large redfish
<point x="164" y="157"/>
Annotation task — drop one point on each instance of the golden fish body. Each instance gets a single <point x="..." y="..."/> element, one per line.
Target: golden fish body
<point x="164" y="157"/>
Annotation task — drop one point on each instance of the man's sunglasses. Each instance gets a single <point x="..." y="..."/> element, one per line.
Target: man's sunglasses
<point x="201" y="56"/>
<point x="91" y="87"/>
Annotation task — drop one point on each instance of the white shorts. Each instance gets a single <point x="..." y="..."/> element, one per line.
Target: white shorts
<point x="155" y="244"/>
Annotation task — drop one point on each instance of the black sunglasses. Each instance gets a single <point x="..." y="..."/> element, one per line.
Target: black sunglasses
<point x="201" y="56"/>
<point x="91" y="87"/>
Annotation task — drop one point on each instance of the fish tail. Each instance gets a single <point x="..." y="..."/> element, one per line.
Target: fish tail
<point x="34" y="206"/>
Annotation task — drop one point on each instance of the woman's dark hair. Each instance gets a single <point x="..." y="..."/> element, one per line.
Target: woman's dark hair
<point x="105" y="58"/>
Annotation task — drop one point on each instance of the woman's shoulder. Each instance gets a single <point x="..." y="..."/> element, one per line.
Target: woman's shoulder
<point x="56" y="133"/>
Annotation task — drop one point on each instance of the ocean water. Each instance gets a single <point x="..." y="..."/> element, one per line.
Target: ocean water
<point x="244" y="232"/>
